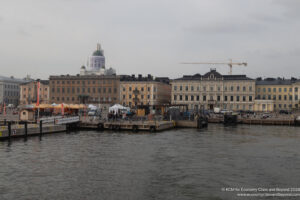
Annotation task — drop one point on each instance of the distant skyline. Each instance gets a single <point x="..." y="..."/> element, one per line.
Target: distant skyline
<point x="44" y="38"/>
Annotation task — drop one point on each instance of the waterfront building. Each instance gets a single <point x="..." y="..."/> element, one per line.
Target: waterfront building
<point x="284" y="92"/>
<point x="96" y="64"/>
<point x="144" y="91"/>
<point x="10" y="90"/>
<point x="213" y="90"/>
<point x="28" y="92"/>
<point x="96" y="89"/>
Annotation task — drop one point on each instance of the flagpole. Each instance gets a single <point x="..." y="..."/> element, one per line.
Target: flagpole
<point x="38" y="98"/>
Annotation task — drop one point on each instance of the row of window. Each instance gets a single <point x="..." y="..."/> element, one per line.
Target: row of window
<point x="11" y="86"/>
<point x="109" y="99"/>
<point x="29" y="89"/>
<point x="11" y="93"/>
<point x="82" y="82"/>
<point x="24" y="96"/>
<point x="142" y="96"/>
<point x="83" y="90"/>
<point x="283" y="106"/>
<point x="275" y="89"/>
<point x="212" y="88"/>
<point x="279" y="97"/>
<point x="142" y="89"/>
<point x="210" y="98"/>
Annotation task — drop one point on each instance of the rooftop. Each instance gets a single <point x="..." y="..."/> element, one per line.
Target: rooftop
<point x="213" y="74"/>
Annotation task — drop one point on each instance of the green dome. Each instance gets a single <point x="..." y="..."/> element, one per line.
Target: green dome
<point x="98" y="53"/>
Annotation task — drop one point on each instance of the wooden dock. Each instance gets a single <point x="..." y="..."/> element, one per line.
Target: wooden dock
<point x="19" y="130"/>
<point x="134" y="126"/>
<point x="285" y="122"/>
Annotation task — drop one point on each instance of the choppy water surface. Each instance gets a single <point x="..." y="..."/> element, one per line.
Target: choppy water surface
<point x="176" y="164"/>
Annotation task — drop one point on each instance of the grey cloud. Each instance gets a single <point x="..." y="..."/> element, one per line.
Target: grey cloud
<point x="23" y="32"/>
<point x="291" y="7"/>
<point x="226" y="28"/>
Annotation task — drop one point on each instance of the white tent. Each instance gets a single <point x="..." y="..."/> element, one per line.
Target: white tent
<point x="115" y="108"/>
<point x="92" y="107"/>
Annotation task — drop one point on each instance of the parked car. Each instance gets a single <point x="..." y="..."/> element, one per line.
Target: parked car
<point x="266" y="115"/>
<point x="224" y="111"/>
<point x="284" y="112"/>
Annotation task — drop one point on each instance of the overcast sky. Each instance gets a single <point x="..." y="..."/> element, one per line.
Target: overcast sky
<point x="52" y="37"/>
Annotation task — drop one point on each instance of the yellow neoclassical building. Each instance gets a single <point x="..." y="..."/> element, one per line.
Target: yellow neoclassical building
<point x="142" y="91"/>
<point x="284" y="93"/>
<point x="214" y="90"/>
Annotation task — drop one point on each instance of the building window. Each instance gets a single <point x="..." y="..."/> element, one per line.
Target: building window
<point x="231" y="88"/>
<point x="175" y="87"/>
<point x="264" y="89"/>
<point x="225" y="98"/>
<point x="285" y="97"/>
<point x="258" y="89"/>
<point x="296" y="97"/>
<point x="264" y="97"/>
<point x="238" y="88"/>
<point x="291" y="97"/>
<point x="269" y="97"/>
<point x="218" y="98"/>
<point x="285" y="89"/>
<point x="175" y="97"/>
<point x="274" y="89"/>
<point x="186" y="97"/>
<point x="99" y="90"/>
<point x="192" y="88"/>
<point x="186" y="88"/>
<point x="148" y="96"/>
<point x="109" y="90"/>
<point x="237" y="98"/>
<point x="198" y="98"/>
<point x="58" y="90"/>
<point x="250" y="98"/>
<point x="279" y="89"/>
<point x="274" y="97"/>
<point x="94" y="90"/>
<point x="244" y="88"/>
<point x="225" y="88"/>
<point x="290" y="89"/>
<point x="296" y="89"/>
<point x="204" y="88"/>
<point x="231" y="98"/>
<point x="269" y="89"/>
<point x="192" y="98"/>
<point x="244" y="98"/>
<point x="130" y="96"/>
<point x="279" y="96"/>
<point x="211" y="88"/>
<point x="130" y="88"/>
<point x="180" y="97"/>
<point x="180" y="88"/>
<point x="204" y="98"/>
<point x="148" y="89"/>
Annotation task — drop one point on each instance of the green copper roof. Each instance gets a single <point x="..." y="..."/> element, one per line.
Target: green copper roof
<point x="98" y="53"/>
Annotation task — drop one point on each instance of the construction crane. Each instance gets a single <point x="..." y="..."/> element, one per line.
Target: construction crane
<point x="230" y="64"/>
